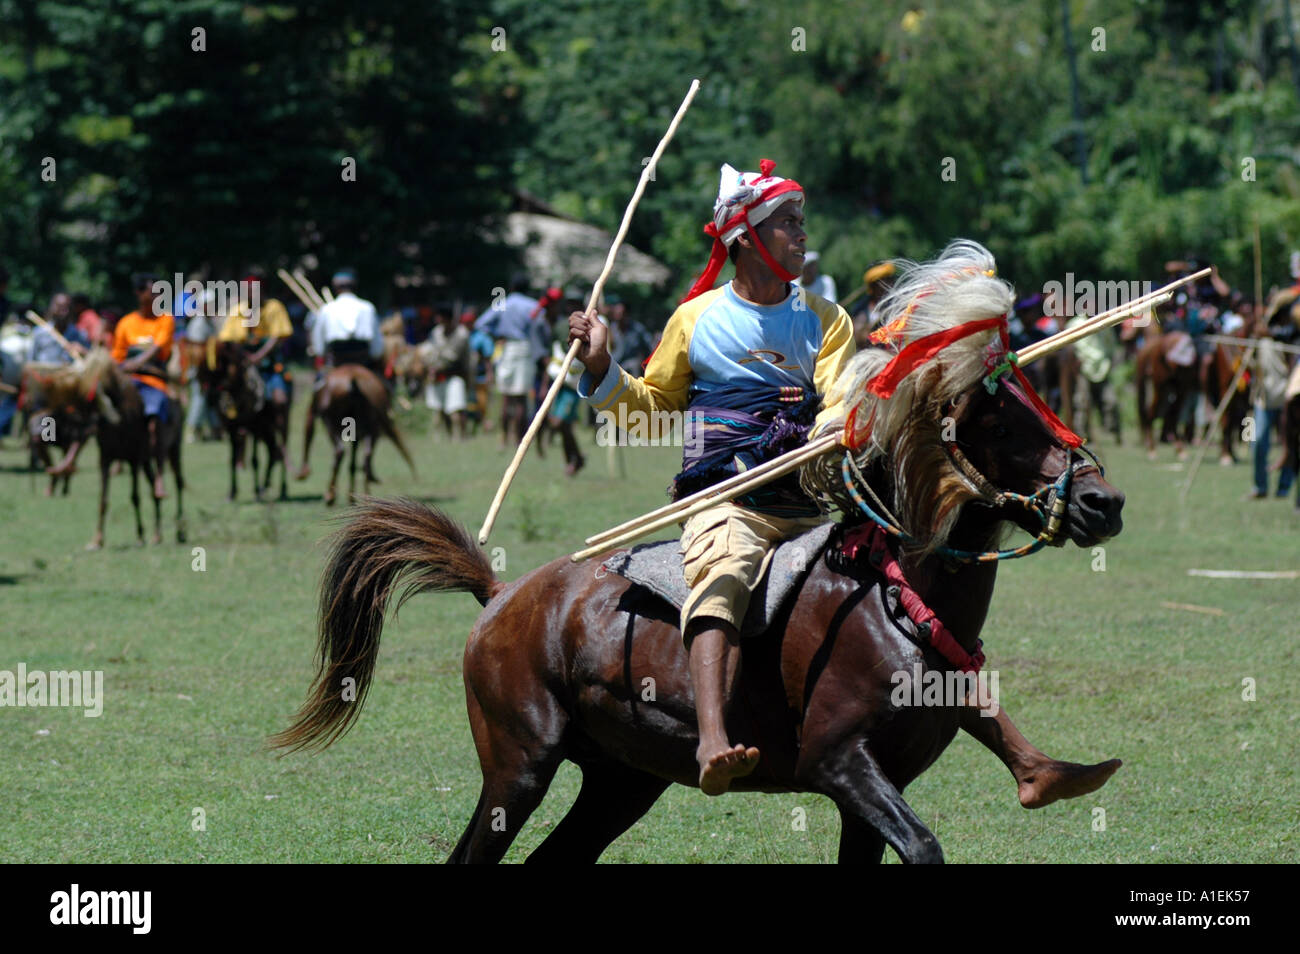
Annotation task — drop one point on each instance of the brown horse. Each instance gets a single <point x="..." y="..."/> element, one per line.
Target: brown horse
<point x="1164" y="384"/>
<point x="53" y="397"/>
<point x="1219" y="373"/>
<point x="233" y="387"/>
<point x="107" y="397"/>
<point x="557" y="664"/>
<point x="357" y="409"/>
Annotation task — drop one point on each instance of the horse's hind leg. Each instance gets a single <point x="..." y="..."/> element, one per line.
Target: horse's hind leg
<point x="175" y="458"/>
<point x="612" y="799"/>
<point x="334" y="471"/>
<point x="853" y="780"/>
<point x="135" y="496"/>
<point x="352" y="474"/>
<point x="518" y="758"/>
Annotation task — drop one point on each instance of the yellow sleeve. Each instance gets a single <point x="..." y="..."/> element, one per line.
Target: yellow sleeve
<point x="232" y="329"/>
<point x="667" y="382"/>
<point x="833" y="357"/>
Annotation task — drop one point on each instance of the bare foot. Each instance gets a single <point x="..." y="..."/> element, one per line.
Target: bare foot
<point x="303" y="473"/>
<point x="329" y="497"/>
<point x="1056" y="780"/>
<point x="95" y="544"/>
<point x="717" y="773"/>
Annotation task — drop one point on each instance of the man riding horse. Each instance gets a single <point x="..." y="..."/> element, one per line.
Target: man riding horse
<point x="750" y="362"/>
<point x="261" y="333"/>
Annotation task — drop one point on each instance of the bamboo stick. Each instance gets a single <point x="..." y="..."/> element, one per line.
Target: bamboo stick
<point x="596" y="290"/>
<point x="786" y="463"/>
<point x="310" y="288"/>
<point x="853" y="296"/>
<point x="297" y="290"/>
<point x="810" y="450"/>
<point x="1245" y="342"/>
<point x="77" y="361"/>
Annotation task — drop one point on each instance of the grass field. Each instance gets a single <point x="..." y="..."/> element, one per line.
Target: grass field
<point x="200" y="666"/>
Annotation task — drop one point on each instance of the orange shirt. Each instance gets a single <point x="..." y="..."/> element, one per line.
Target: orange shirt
<point x="135" y="334"/>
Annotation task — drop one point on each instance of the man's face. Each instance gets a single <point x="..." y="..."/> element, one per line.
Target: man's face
<point x="144" y="297"/>
<point x="60" y="305"/>
<point x="783" y="236"/>
<point x="618" y="312"/>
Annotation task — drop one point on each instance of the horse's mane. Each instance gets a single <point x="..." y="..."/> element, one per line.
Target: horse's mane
<point x="899" y="438"/>
<point x="73" y="386"/>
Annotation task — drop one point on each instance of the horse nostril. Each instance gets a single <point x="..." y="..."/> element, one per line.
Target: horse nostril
<point x="1107" y="505"/>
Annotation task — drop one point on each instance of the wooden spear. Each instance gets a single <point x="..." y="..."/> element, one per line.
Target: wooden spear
<point x="596" y="290"/>
<point x="754" y="477"/>
<point x="712" y="496"/>
<point x="63" y="342"/>
<point x="297" y="290"/>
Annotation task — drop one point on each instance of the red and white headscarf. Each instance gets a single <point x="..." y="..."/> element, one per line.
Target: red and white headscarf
<point x="744" y="200"/>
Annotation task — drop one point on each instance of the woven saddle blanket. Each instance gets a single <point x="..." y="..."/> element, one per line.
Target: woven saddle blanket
<point x="658" y="568"/>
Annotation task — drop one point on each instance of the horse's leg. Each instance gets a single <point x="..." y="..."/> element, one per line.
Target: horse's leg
<point x="135" y="496"/>
<point x="352" y="473"/>
<point x="157" y="501"/>
<point x="105" y="466"/>
<point x="612" y="799"/>
<point x="330" y="492"/>
<point x="309" y="429"/>
<point x="1040" y="779"/>
<point x="174" y="455"/>
<point x="860" y="844"/>
<point x="519" y="749"/>
<point x="257" y="477"/>
<point x="234" y="461"/>
<point x="368" y="475"/>
<point x="851" y="778"/>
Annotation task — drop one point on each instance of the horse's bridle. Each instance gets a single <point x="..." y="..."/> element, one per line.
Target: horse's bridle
<point x="1048" y="503"/>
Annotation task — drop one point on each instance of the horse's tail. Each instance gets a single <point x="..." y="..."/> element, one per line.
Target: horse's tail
<point x="390" y="548"/>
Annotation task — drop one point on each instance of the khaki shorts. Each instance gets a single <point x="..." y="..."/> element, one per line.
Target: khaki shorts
<point x="725" y="552"/>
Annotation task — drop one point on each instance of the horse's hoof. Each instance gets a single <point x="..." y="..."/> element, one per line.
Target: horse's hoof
<point x="156" y="539"/>
<point x="95" y="545"/>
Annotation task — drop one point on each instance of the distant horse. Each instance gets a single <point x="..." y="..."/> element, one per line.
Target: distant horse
<point x="356" y="408"/>
<point x="1165" y="375"/>
<point x="1219" y="374"/>
<point x="107" y="395"/>
<point x="54" y="419"/>
<point x="555" y="666"/>
<point x="233" y="387"/>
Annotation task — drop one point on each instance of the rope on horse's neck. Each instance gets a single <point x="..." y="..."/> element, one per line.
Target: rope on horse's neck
<point x="891" y="526"/>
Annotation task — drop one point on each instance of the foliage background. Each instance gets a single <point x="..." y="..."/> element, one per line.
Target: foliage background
<point x="204" y="161"/>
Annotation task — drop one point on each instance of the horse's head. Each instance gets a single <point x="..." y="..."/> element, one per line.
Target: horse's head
<point x="1016" y="462"/>
<point x="930" y="437"/>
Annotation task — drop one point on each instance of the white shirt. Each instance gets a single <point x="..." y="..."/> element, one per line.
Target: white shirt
<point x="346" y="317"/>
<point x="823" y="286"/>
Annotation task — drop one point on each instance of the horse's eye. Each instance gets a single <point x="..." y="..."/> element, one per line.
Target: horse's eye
<point x="1001" y="431"/>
